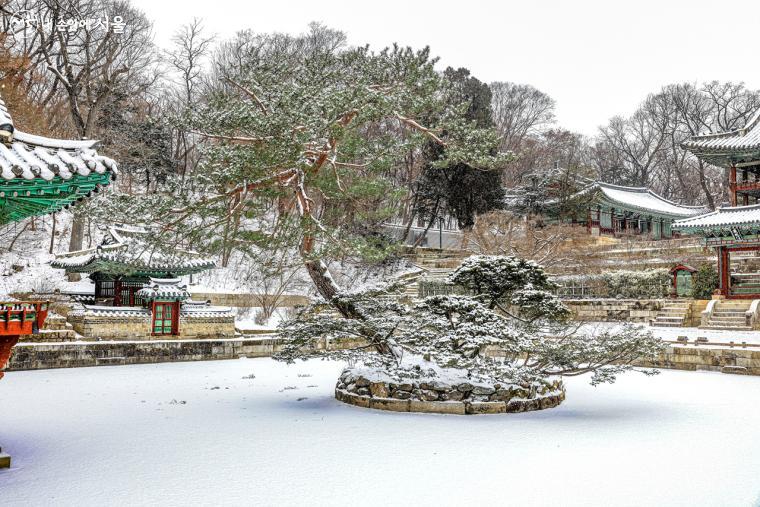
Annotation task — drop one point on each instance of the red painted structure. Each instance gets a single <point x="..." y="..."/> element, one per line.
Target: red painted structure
<point x="16" y="319"/>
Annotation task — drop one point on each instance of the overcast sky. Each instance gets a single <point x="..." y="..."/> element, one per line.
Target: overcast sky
<point x="595" y="58"/>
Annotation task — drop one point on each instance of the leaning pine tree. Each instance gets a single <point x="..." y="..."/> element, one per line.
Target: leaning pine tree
<point x="303" y="130"/>
<point x="509" y="341"/>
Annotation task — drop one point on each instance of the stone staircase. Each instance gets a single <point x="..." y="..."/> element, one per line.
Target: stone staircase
<point x="431" y="259"/>
<point x="56" y="329"/>
<point x="728" y="315"/>
<point x="433" y="264"/>
<point x="745" y="283"/>
<point x="745" y="273"/>
<point x="673" y="314"/>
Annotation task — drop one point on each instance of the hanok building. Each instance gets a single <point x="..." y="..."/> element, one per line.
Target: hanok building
<point x="734" y="231"/>
<point x="616" y="210"/>
<point x="138" y="292"/>
<point x="125" y="261"/>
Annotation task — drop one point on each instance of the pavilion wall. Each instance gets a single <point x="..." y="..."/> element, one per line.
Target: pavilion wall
<point x="123" y="326"/>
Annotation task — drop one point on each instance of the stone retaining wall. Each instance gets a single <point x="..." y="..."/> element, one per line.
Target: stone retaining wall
<point x="245" y="300"/>
<point x="696" y="358"/>
<point x="439" y="398"/>
<point x="615" y="310"/>
<point x="138" y="327"/>
<point x="34" y="356"/>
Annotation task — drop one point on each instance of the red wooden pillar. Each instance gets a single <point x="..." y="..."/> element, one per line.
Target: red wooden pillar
<point x="6" y="346"/>
<point x="175" y="318"/>
<point x="724" y="265"/>
<point x="732" y="185"/>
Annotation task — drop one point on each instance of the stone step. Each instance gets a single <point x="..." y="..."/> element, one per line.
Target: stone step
<point x="660" y="318"/>
<point x="54" y="321"/>
<point x="658" y="323"/>
<point x="726" y="328"/>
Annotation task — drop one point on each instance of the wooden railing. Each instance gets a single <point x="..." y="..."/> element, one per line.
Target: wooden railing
<point x="22" y="317"/>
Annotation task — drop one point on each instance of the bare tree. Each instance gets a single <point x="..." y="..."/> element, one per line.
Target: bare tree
<point x="519" y="111"/>
<point x="645" y="149"/>
<point x="86" y="63"/>
<point x="639" y="141"/>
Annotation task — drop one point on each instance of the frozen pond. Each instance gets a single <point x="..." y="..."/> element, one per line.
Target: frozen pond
<point x="201" y="433"/>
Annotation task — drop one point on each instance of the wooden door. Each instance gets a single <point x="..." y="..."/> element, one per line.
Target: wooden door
<point x="683" y="283"/>
<point x="165" y="318"/>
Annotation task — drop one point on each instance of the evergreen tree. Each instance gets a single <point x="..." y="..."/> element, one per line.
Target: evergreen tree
<point x="303" y="128"/>
<point x="511" y="311"/>
<point x="460" y="190"/>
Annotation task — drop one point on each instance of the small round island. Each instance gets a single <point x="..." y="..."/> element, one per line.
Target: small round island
<point x="445" y="394"/>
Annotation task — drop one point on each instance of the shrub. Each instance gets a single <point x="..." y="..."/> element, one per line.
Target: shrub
<point x="705" y="282"/>
<point x="650" y="283"/>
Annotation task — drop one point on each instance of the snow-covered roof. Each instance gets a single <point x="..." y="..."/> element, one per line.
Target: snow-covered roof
<point x="732" y="144"/>
<point x="722" y="217"/>
<point x="745" y="137"/>
<point x="164" y="289"/>
<point x="5" y="117"/>
<point x="128" y="250"/>
<point x="642" y="199"/>
<point x="28" y="156"/>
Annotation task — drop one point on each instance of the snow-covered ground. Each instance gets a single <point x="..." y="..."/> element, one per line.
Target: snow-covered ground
<point x="206" y="434"/>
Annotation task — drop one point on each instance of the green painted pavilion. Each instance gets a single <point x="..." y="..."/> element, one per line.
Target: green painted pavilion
<point x="126" y="260"/>
<point x="617" y="210"/>
<point x="732" y="230"/>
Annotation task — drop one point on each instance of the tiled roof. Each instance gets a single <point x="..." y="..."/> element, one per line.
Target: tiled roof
<point x="722" y="217"/>
<point x="27" y="156"/>
<point x="164" y="289"/>
<point x="641" y="199"/>
<point x="41" y="175"/>
<point x="746" y="138"/>
<point x="127" y="250"/>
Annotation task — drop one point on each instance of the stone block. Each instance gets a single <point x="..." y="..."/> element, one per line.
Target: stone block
<point x="351" y="398"/>
<point x="485" y="407"/>
<point x="390" y="404"/>
<point x="378" y="389"/>
<point x="513" y="406"/>
<point x="737" y="370"/>
<point x="437" y="407"/>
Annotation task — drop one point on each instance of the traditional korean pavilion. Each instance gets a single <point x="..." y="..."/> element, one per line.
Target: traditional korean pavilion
<point x="126" y="260"/>
<point x="736" y="228"/>
<point x="617" y="210"/>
